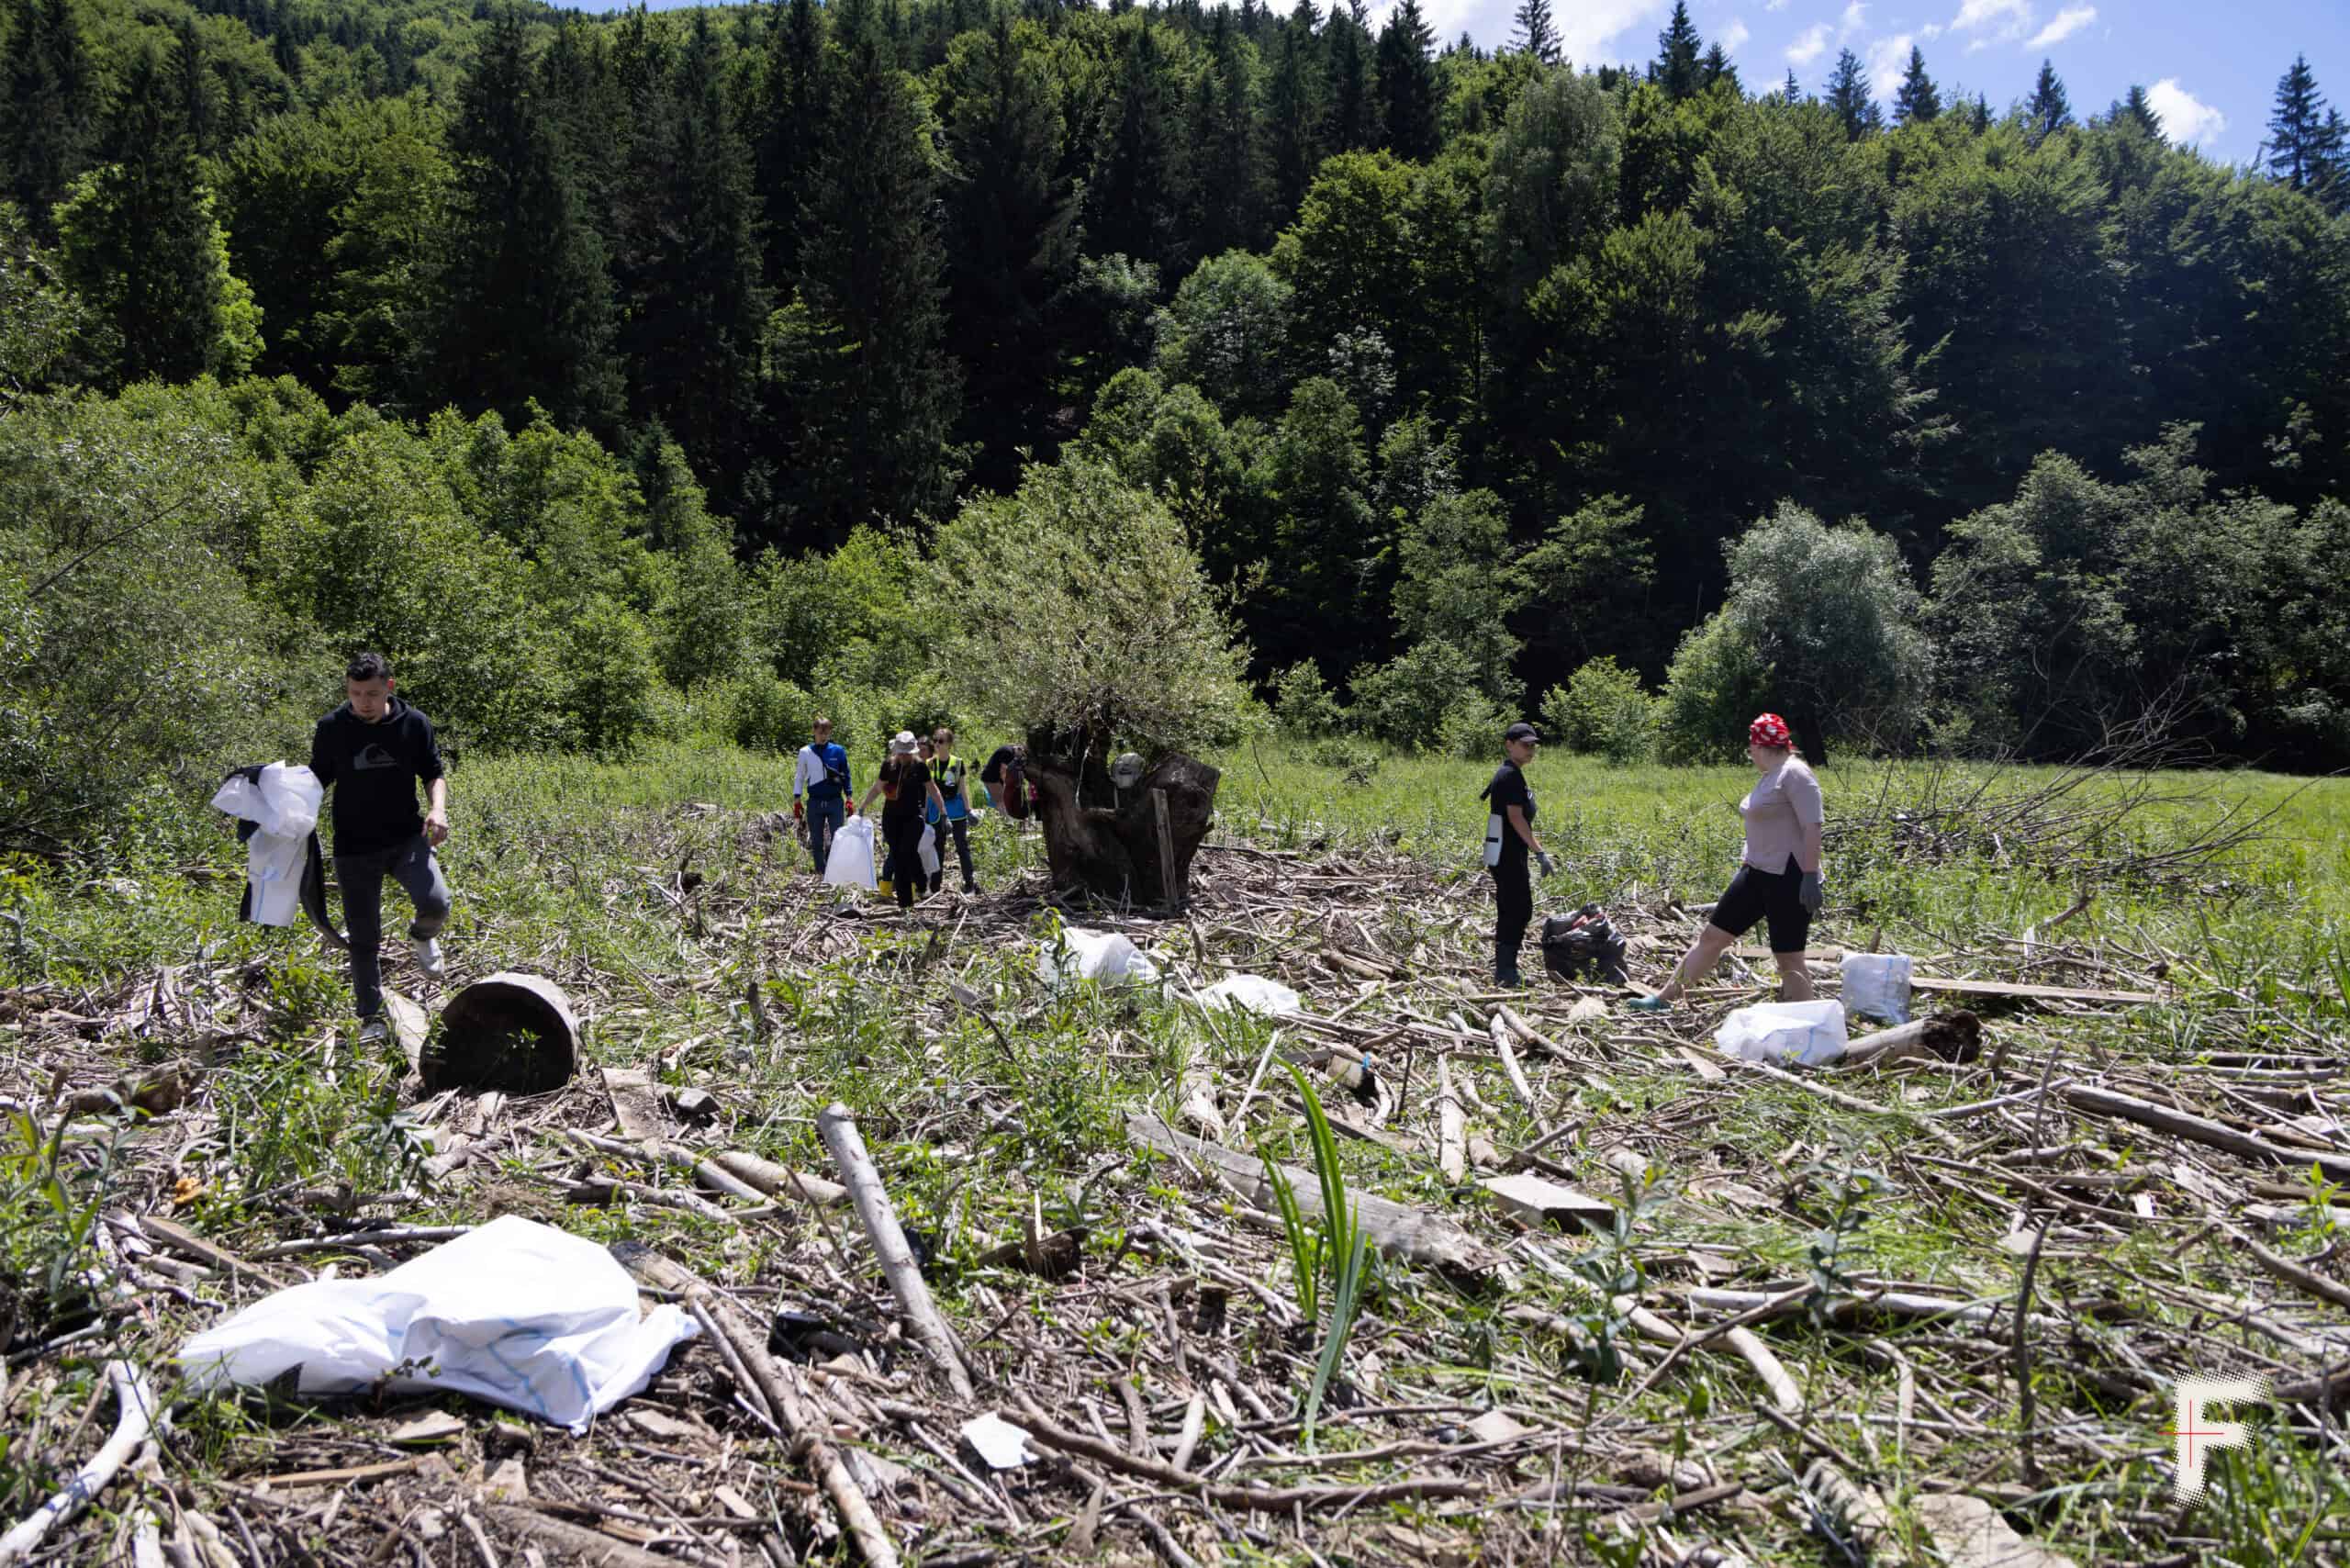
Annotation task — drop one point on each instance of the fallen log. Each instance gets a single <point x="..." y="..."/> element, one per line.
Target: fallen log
<point x="838" y="1129"/>
<point x="2199" y="1129"/>
<point x="136" y="1416"/>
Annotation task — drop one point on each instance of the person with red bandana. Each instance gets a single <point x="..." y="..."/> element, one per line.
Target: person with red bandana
<point x="1778" y="875"/>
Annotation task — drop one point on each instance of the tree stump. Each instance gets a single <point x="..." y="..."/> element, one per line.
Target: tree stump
<point x="1106" y="842"/>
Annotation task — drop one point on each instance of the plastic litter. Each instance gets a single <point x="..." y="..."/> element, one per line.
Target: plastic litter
<point x="928" y="850"/>
<point x="1877" y="985"/>
<point x="516" y="1312"/>
<point x="998" y="1442"/>
<point x="283" y="809"/>
<point x="849" y="862"/>
<point x="1253" y="993"/>
<point x="1806" y="1033"/>
<point x="1103" y="956"/>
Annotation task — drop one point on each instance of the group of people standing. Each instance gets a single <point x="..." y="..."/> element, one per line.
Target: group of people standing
<point x="1778" y="883"/>
<point x="922" y="784"/>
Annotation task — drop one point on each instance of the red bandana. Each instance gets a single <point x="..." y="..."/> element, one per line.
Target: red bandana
<point x="1772" y="731"/>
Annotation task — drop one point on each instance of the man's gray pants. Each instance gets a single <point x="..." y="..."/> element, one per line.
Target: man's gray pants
<point x="361" y="878"/>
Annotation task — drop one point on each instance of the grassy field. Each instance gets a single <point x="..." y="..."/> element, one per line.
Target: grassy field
<point x="661" y="894"/>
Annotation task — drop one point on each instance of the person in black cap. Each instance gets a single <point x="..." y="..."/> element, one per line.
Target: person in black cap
<point x="1509" y="835"/>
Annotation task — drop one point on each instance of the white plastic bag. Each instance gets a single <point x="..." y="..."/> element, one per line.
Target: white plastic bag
<point x="1102" y="955"/>
<point x="1253" y="992"/>
<point x="849" y="862"/>
<point x="928" y="850"/>
<point x="517" y="1313"/>
<point x="284" y="807"/>
<point x="1807" y="1033"/>
<point x="1877" y="985"/>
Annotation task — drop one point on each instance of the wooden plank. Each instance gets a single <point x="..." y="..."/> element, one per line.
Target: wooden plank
<point x="2031" y="993"/>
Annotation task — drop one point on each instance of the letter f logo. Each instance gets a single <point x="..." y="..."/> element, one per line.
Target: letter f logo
<point x="2197" y="1436"/>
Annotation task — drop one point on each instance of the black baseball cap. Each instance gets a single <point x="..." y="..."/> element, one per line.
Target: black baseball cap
<point x="1521" y="731"/>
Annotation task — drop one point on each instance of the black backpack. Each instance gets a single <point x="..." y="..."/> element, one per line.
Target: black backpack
<point x="1584" y="943"/>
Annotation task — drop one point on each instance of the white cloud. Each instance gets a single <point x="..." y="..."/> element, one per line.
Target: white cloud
<point x="1992" y="21"/>
<point x="1931" y="31"/>
<point x="1810" y="46"/>
<point x="1734" y="35"/>
<point x="1774" y="5"/>
<point x="1855" y="15"/>
<point x="2070" y="20"/>
<point x="2185" y="121"/>
<point x="1889" y="62"/>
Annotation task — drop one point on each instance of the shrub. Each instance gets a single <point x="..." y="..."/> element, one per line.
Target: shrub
<point x="757" y="712"/>
<point x="1715" y="686"/>
<point x="1302" y="707"/>
<point x="1604" y="711"/>
<point x="1227" y="331"/>
<point x="1404" y="700"/>
<point x="610" y="676"/>
<point x="1471" y="727"/>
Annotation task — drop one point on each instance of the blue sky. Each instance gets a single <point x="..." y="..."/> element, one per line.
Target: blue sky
<point x="2213" y="69"/>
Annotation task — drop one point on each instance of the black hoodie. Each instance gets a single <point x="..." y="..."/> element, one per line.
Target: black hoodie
<point x="374" y="770"/>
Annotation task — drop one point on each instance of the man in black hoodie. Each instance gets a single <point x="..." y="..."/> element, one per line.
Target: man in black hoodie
<point x="372" y="752"/>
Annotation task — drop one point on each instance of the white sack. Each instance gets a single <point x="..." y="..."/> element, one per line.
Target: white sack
<point x="283" y="806"/>
<point x="516" y="1312"/>
<point x="849" y="862"/>
<point x="1102" y="955"/>
<point x="1807" y="1033"/>
<point x="1877" y="985"/>
<point x="1253" y="992"/>
<point x="929" y="850"/>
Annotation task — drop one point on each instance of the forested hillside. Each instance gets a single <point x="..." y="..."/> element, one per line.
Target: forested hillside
<point x="615" y="374"/>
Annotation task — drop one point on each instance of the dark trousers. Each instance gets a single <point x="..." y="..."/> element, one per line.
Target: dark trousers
<point x="961" y="828"/>
<point x="361" y="877"/>
<point x="824" y="819"/>
<point x="1513" y="913"/>
<point x="904" y="838"/>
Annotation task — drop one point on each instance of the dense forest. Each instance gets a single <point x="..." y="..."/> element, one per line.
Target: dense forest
<point x="620" y="375"/>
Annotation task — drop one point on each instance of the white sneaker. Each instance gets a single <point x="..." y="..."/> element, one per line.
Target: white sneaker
<point x="374" y="1031"/>
<point x="427" y="956"/>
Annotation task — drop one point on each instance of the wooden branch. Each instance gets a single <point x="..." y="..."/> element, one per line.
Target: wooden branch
<point x="2285" y="1268"/>
<point x="2198" y="1129"/>
<point x="2031" y="993"/>
<point x="779" y="1181"/>
<point x="1257" y="1499"/>
<point x="838" y="1129"/>
<point x="137" y="1414"/>
<point x="1452" y="1131"/>
<point x="573" y="1543"/>
<point x="1393" y="1227"/>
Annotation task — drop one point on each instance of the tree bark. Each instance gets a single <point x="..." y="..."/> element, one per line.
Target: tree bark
<point x="1105" y="841"/>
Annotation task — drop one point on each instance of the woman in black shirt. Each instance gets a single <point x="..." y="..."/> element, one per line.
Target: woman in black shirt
<point x="1509" y="835"/>
<point x="905" y="786"/>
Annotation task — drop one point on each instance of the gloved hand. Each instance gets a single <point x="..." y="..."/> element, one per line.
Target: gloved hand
<point x="1542" y="858"/>
<point x="798" y="812"/>
<point x="1810" y="894"/>
<point x="850" y="807"/>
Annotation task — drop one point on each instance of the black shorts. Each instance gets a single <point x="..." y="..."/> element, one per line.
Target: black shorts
<point x="1772" y="896"/>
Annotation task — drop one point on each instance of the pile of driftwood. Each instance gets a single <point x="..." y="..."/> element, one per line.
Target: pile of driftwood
<point x="1588" y="1329"/>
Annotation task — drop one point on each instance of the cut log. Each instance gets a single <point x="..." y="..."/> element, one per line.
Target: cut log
<point x="1120" y="845"/>
<point x="1953" y="1037"/>
<point x="1393" y="1229"/>
<point x="2031" y="993"/>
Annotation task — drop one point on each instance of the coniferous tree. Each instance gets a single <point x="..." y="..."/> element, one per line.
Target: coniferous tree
<point x="1791" y="90"/>
<point x="49" y="113"/>
<point x="1717" y="69"/>
<point x="1407" y="84"/>
<point x="1132" y="202"/>
<point x="137" y="240"/>
<point x="694" y="304"/>
<point x="861" y="352"/>
<point x="2332" y="161"/>
<point x="789" y="124"/>
<point x="1677" y="69"/>
<point x="1012" y="216"/>
<point x="192" y="81"/>
<point x="2294" y="150"/>
<point x="1849" y="95"/>
<point x="1228" y="183"/>
<point x="521" y="306"/>
<point x="1919" y="100"/>
<point x="1354" y="112"/>
<point x="2137" y="111"/>
<point x="1534" y="32"/>
<point x="2047" y="111"/>
<point x="1294" y="107"/>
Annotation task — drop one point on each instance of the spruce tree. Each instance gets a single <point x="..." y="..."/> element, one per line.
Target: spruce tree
<point x="1294" y="108"/>
<point x="1849" y="95"/>
<point x="1919" y="100"/>
<point x="1676" y="69"/>
<point x="1229" y="183"/>
<point x="49" y="107"/>
<point x="192" y="81"/>
<point x="1407" y="84"/>
<point x="874" y="395"/>
<point x="2331" y="162"/>
<point x="1534" y="32"/>
<point x="1715" y="70"/>
<point x="2137" y="111"/>
<point x="2047" y="111"/>
<point x="1353" y="113"/>
<point x="521" y="303"/>
<point x="788" y="126"/>
<point x="2296" y="128"/>
<point x="1791" y="90"/>
<point x="1131" y="202"/>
